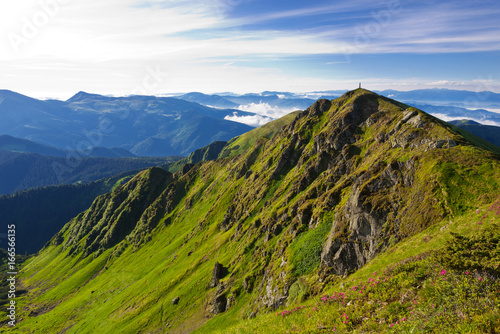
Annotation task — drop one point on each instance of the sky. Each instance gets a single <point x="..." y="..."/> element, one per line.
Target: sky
<point x="55" y="48"/>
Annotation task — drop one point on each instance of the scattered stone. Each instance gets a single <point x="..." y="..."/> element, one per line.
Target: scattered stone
<point x="407" y="115"/>
<point x="440" y="143"/>
<point x="443" y="143"/>
<point x="276" y="229"/>
<point x="416" y="121"/>
<point x="219" y="304"/>
<point x="218" y="273"/>
<point x="230" y="302"/>
<point x="175" y="301"/>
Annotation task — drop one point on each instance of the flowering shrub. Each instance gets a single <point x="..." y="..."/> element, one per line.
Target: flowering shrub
<point x="410" y="296"/>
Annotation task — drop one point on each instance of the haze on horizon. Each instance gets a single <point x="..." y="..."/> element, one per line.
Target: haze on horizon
<point x="55" y="48"/>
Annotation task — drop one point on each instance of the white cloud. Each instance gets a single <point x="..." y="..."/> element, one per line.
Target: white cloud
<point x="265" y="113"/>
<point x="447" y="118"/>
<point x="255" y="121"/>
<point x="266" y="110"/>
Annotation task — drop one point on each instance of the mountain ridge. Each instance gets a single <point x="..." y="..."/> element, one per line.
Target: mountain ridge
<point x="339" y="184"/>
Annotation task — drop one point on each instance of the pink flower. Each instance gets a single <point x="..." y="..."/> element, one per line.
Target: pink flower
<point x="443" y="272"/>
<point x="477" y="211"/>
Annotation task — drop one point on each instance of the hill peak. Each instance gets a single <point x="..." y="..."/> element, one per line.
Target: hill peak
<point x="81" y="95"/>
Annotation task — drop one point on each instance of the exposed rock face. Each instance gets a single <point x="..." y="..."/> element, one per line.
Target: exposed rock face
<point x="218" y="273"/>
<point x="220" y="302"/>
<point x="274" y="296"/>
<point x="219" y="305"/>
<point x="248" y="284"/>
<point x="361" y="232"/>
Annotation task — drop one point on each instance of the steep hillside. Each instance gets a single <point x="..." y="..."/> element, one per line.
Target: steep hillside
<point x="222" y="241"/>
<point x="39" y="213"/>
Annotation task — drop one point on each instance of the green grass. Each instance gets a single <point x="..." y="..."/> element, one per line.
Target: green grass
<point x="407" y="289"/>
<point x="242" y="143"/>
<point x="306" y="249"/>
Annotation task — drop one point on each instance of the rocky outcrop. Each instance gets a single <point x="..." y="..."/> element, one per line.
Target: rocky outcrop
<point x="218" y="273"/>
<point x="319" y="107"/>
<point x="362" y="230"/>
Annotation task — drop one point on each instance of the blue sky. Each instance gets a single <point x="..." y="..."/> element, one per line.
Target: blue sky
<point x="54" y="48"/>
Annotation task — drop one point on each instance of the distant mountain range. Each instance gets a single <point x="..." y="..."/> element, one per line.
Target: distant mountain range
<point x="13" y="144"/>
<point x="143" y="125"/>
<point x="443" y="103"/>
<point x="487" y="132"/>
<point x="448" y="97"/>
<point x="459" y="98"/>
<point x="20" y="171"/>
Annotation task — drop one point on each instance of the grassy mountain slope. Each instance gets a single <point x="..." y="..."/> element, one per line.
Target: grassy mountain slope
<point x="335" y="190"/>
<point x="39" y="213"/>
<point x="235" y="146"/>
<point x="442" y="280"/>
